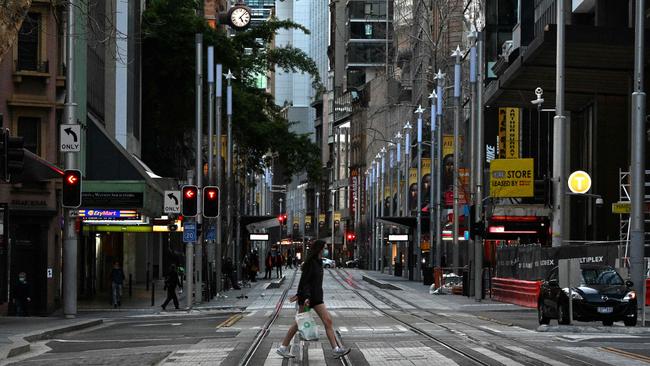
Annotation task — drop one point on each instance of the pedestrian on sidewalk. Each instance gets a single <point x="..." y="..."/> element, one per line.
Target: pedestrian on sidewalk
<point x="117" y="281"/>
<point x="310" y="294"/>
<point x="171" y="282"/>
<point x="229" y="270"/>
<point x="22" y="295"/>
<point x="255" y="266"/>
<point x="268" y="266"/>
<point x="289" y="260"/>
<point x="278" y="261"/>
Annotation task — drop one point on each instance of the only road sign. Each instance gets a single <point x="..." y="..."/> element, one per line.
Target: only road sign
<point x="70" y="138"/>
<point x="189" y="232"/>
<point x="172" y="202"/>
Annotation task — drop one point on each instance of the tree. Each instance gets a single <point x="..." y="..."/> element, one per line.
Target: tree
<point x="12" y="13"/>
<point x="169" y="27"/>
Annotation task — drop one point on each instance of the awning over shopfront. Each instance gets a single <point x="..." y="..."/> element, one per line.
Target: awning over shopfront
<point x="36" y="169"/>
<point x="598" y="62"/>
<point x="116" y="179"/>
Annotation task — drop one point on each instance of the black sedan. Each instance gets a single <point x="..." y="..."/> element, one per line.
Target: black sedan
<point x="601" y="296"/>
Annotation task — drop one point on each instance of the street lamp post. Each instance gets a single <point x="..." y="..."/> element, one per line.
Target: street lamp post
<point x="382" y="246"/>
<point x="229" y="175"/>
<point x="418" y="209"/>
<point x="457" y="54"/>
<point x="316" y="219"/>
<point x="333" y="215"/>
<point x="398" y="207"/>
<point x="407" y="165"/>
<point x="378" y="203"/>
<point x="435" y="170"/>
<point x="440" y="82"/>
<point x="391" y="208"/>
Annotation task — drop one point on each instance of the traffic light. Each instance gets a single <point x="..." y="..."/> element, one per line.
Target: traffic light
<point x="190" y="200"/>
<point x="210" y="201"/>
<point x="71" y="195"/>
<point x="282" y="218"/>
<point x="351" y="236"/>
<point x="474" y="227"/>
<point x="12" y="154"/>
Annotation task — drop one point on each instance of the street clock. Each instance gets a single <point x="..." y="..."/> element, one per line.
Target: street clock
<point x="239" y="16"/>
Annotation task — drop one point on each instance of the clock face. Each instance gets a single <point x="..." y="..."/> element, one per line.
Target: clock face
<point x="240" y="17"/>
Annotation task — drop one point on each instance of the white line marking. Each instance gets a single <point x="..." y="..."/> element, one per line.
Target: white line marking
<point x="497" y="357"/>
<point x="536" y="356"/>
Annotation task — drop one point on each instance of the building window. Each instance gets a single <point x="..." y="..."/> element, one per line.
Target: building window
<point x="28" y="43"/>
<point x="29" y="128"/>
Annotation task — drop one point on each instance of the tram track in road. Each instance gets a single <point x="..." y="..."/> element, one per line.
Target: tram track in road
<point x="249" y="356"/>
<point x="518" y="356"/>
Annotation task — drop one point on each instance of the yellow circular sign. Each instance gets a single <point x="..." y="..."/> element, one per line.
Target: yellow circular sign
<point x="579" y="182"/>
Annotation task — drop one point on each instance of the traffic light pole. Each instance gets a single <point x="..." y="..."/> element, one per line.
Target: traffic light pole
<point x="210" y="243"/>
<point x="70" y="237"/>
<point x="199" y="165"/>
<point x="219" y="254"/>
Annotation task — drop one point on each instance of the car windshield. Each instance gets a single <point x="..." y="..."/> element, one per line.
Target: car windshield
<point x="601" y="276"/>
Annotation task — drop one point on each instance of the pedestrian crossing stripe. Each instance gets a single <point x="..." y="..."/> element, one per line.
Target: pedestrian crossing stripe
<point x="495" y="356"/>
<point x="536" y="356"/>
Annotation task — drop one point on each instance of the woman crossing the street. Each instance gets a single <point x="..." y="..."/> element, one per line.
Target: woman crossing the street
<point x="310" y="294"/>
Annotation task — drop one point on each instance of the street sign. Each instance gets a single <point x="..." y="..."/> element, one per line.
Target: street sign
<point x="398" y="237"/>
<point x="258" y="237"/>
<point x="579" y="182"/>
<point x="189" y="232"/>
<point x="211" y="234"/>
<point x="172" y="202"/>
<point x="621" y="207"/>
<point x="70" y="138"/>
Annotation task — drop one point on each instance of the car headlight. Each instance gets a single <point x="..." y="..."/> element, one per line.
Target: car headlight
<point x="630" y="296"/>
<point x="574" y="294"/>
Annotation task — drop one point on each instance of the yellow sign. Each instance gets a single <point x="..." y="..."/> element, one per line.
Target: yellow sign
<point x="501" y="147"/>
<point x="512" y="133"/>
<point x="337" y="217"/>
<point x="413" y="176"/>
<point x="621" y="208"/>
<point x="308" y="219"/>
<point x="321" y="219"/>
<point x="511" y="178"/>
<point x="448" y="144"/>
<point x="579" y="182"/>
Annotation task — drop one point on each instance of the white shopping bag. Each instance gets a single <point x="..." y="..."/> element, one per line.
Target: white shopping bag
<point x="307" y="326"/>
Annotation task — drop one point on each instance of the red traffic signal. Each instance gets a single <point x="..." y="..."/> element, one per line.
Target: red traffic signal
<point x="282" y="218"/>
<point x="71" y="195"/>
<point x="190" y="201"/>
<point x="351" y="236"/>
<point x="210" y="201"/>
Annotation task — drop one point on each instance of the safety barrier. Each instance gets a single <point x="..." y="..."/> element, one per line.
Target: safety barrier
<point x="647" y="291"/>
<point x="524" y="293"/>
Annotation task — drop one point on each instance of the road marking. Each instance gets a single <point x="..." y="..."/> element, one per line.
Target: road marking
<point x="490" y="329"/>
<point x="157" y="324"/>
<point x="536" y="356"/>
<point x="632" y="355"/>
<point x="343" y="329"/>
<point x="230" y="321"/>
<point x="273" y="358"/>
<point x="198" y="356"/>
<point x="401" y="328"/>
<point x="607" y="357"/>
<point x="497" y="357"/>
<point x="383" y="353"/>
<point x="251" y="313"/>
<point x="316" y="354"/>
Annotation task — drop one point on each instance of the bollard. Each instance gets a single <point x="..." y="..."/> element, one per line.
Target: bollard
<point x="130" y="285"/>
<point x="147" y="280"/>
<point x="153" y="292"/>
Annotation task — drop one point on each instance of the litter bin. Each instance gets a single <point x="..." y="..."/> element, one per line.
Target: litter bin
<point x="427" y="276"/>
<point x="465" y="282"/>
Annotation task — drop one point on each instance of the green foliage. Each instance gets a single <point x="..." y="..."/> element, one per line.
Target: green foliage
<point x="169" y="28"/>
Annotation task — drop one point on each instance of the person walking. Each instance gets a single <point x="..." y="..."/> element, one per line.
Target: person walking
<point x="22" y="295"/>
<point x="277" y="261"/>
<point x="255" y="266"/>
<point x="268" y="266"/>
<point x="289" y="260"/>
<point x="117" y="281"/>
<point x="310" y="294"/>
<point x="171" y="282"/>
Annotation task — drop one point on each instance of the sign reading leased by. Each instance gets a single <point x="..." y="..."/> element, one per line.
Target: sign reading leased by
<point x="511" y="178"/>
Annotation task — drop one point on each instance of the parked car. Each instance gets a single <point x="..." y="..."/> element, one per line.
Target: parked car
<point x="352" y="263"/>
<point x="328" y="263"/>
<point x="601" y="296"/>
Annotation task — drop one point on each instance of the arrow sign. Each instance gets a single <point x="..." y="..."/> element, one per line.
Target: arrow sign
<point x="70" y="132"/>
<point x="171" y="202"/>
<point x="69" y="138"/>
<point x="172" y="197"/>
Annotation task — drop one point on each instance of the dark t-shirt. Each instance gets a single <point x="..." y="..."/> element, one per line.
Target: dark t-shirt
<point x="311" y="281"/>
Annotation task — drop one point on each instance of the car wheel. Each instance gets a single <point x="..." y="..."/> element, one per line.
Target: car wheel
<point x="543" y="319"/>
<point x="327" y="266"/>
<point x="608" y="323"/>
<point x="630" y="322"/>
<point x="562" y="314"/>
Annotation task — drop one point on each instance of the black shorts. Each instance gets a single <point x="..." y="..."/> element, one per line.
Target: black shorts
<point x="312" y="303"/>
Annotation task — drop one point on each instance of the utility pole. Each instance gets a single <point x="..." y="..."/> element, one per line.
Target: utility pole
<point x="475" y="169"/>
<point x="407" y="168"/>
<point x="398" y="139"/>
<point x="210" y="249"/>
<point x="229" y="175"/>
<point x="418" y="209"/>
<point x="559" y="138"/>
<point x="480" y="158"/>
<point x="391" y="165"/>
<point x="637" y="170"/>
<point x="199" y="163"/>
<point x="457" y="54"/>
<point x="382" y="246"/>
<point x="189" y="259"/>
<point x="70" y="238"/>
<point x="219" y="244"/>
<point x="440" y="82"/>
<point x="435" y="170"/>
<point x="333" y="215"/>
